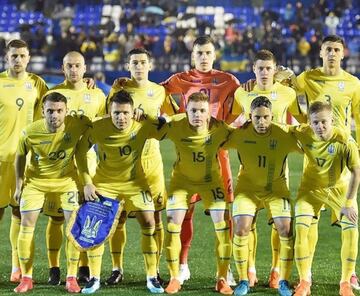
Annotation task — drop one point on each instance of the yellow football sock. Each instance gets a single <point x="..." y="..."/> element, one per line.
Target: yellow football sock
<point x="286" y="256"/>
<point x="313" y="239"/>
<point x="72" y="259"/>
<point x="54" y="238"/>
<point x="275" y="248"/>
<point x="159" y="238"/>
<point x="173" y="248"/>
<point x="14" y="234"/>
<point x="95" y="260"/>
<point x="117" y="245"/>
<point x="302" y="250"/>
<point x="252" y="246"/>
<point x="349" y="249"/>
<point x="223" y="248"/>
<point x="148" y="246"/>
<point x="83" y="259"/>
<point x="26" y="250"/>
<point x="241" y="255"/>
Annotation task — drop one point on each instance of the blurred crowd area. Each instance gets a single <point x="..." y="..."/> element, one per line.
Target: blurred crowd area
<point x="104" y="31"/>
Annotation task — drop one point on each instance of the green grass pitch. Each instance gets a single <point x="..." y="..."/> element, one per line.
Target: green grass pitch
<point x="326" y="267"/>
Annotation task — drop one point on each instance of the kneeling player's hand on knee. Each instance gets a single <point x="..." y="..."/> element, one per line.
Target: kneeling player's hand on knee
<point x="90" y="193"/>
<point x="350" y="213"/>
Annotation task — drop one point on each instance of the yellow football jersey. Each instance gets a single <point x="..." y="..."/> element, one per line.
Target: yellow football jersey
<point x="152" y="99"/>
<point x="326" y="161"/>
<point x="52" y="154"/>
<point x="283" y="99"/>
<point x="196" y="151"/>
<point x="82" y="102"/>
<point x="18" y="100"/>
<point x="118" y="151"/>
<point x="342" y="91"/>
<point x="262" y="158"/>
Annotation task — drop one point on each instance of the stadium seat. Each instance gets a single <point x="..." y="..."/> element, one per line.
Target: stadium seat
<point x="200" y="10"/>
<point x="210" y="10"/>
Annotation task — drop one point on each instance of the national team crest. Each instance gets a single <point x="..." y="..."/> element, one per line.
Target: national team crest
<point x="150" y="93"/>
<point x="331" y="149"/>
<point x="208" y="140"/>
<point x="341" y="85"/>
<point x="273" y="95"/>
<point x="28" y="85"/>
<point x="215" y="81"/>
<point x="93" y="223"/>
<point x="67" y="137"/>
<point x="87" y="98"/>
<point x="133" y="136"/>
<point x="272" y="144"/>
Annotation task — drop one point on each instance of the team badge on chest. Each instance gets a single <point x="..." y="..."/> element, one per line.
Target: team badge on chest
<point x="150" y="93"/>
<point x="28" y="86"/>
<point x="67" y="137"/>
<point x="273" y="95"/>
<point x="341" y="85"/>
<point x="331" y="149"/>
<point x="87" y="98"/>
<point x="132" y="136"/>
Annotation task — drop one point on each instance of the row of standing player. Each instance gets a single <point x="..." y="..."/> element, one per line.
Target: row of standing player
<point x="204" y="78"/>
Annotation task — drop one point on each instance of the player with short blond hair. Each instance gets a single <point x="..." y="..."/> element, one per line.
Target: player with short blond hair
<point x="330" y="153"/>
<point x="334" y="85"/>
<point x="197" y="137"/>
<point x="219" y="86"/>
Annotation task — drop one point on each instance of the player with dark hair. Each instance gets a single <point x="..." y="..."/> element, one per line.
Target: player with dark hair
<point x="51" y="142"/>
<point x="262" y="147"/>
<point x="150" y="99"/>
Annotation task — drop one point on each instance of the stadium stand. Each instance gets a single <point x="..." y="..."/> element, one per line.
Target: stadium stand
<point x="105" y="30"/>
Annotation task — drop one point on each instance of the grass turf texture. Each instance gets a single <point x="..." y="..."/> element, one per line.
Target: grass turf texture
<point x="326" y="267"/>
